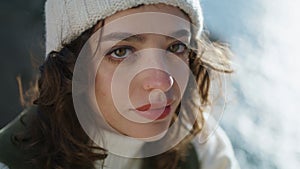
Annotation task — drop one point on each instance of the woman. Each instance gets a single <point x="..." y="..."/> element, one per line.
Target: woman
<point x="124" y="85"/>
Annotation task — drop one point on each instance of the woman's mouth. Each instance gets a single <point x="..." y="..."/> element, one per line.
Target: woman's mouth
<point x="154" y="112"/>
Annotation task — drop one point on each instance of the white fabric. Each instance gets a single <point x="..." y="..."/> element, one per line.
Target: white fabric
<point x="122" y="144"/>
<point x="118" y="162"/>
<point x="67" y="19"/>
<point x="119" y="144"/>
<point x="216" y="153"/>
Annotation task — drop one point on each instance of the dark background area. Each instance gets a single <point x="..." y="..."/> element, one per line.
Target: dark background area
<point x="21" y="49"/>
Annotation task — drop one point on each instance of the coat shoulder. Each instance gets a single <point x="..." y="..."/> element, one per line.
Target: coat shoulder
<point x="11" y="155"/>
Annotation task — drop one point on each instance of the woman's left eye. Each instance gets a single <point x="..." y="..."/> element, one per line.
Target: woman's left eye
<point x="177" y="48"/>
<point x="121" y="52"/>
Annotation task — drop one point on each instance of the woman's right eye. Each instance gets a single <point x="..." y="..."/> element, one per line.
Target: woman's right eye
<point x="120" y="53"/>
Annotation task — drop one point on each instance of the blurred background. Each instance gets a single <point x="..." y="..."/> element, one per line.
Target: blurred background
<point x="22" y="38"/>
<point x="262" y="115"/>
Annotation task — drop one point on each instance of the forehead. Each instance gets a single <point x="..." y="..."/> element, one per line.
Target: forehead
<point x="157" y="19"/>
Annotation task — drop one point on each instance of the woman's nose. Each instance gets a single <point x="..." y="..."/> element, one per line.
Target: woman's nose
<point x="157" y="79"/>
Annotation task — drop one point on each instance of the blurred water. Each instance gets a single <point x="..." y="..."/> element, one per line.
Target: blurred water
<point x="262" y="117"/>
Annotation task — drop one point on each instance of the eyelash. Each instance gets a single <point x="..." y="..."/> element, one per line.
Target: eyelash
<point x="182" y="45"/>
<point x="113" y="50"/>
<point x="117" y="60"/>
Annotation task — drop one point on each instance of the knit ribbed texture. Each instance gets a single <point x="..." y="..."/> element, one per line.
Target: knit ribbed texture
<point x="67" y="19"/>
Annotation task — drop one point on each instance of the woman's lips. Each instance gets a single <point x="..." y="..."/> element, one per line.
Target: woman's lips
<point x="144" y="107"/>
<point x="154" y="112"/>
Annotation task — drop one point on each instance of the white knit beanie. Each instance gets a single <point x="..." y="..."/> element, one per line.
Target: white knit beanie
<point x="67" y="19"/>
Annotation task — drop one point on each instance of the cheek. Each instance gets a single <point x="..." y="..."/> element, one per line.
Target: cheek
<point x="101" y="87"/>
<point x="103" y="83"/>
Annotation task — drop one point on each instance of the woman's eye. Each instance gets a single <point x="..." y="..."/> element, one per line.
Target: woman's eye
<point x="177" y="48"/>
<point x="121" y="52"/>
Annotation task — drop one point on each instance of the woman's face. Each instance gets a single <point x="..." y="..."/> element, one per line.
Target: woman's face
<point x="136" y="90"/>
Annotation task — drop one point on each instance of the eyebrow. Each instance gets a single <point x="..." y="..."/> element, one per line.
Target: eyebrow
<point x="180" y="33"/>
<point x="118" y="36"/>
<point x="124" y="36"/>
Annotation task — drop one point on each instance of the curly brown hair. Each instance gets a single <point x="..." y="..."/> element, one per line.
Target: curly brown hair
<point x="55" y="133"/>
